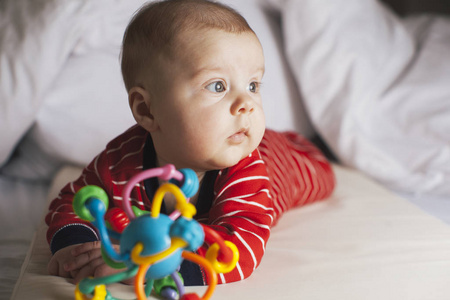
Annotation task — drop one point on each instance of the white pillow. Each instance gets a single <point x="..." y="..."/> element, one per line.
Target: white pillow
<point x="85" y="104"/>
<point x="376" y="88"/>
<point x="36" y="39"/>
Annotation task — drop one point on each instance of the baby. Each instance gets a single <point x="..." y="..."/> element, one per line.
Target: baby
<point x="193" y="70"/>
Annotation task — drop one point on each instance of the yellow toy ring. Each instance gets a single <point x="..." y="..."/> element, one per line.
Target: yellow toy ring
<point x="99" y="293"/>
<point x="187" y="209"/>
<point x="176" y="244"/>
<point x="213" y="252"/>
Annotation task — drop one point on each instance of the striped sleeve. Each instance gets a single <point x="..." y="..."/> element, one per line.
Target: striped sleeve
<point x="299" y="173"/>
<point x="242" y="213"/>
<point x="62" y="220"/>
<point x="110" y="170"/>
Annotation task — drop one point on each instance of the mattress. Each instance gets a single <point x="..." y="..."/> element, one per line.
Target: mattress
<point x="363" y="242"/>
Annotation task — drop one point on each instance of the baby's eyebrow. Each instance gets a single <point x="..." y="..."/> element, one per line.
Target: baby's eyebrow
<point x="202" y="70"/>
<point x="261" y="69"/>
<point x="219" y="69"/>
<point x="258" y="71"/>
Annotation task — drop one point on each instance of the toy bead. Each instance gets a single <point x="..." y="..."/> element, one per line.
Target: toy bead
<point x="83" y="195"/>
<point x="190" y="296"/>
<point x="190" y="183"/>
<point x="189" y="231"/>
<point x="169" y="293"/>
<point x="117" y="219"/>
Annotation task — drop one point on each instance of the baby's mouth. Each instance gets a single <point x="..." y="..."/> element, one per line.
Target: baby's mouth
<point x="239" y="136"/>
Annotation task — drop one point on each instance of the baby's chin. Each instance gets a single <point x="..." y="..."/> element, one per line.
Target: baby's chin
<point x="216" y="161"/>
<point x="224" y="162"/>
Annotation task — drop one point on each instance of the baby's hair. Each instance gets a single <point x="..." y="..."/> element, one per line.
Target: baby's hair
<point x="155" y="27"/>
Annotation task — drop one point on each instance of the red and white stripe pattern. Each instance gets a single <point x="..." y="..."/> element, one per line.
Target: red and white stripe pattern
<point x="242" y="212"/>
<point x="285" y="171"/>
<point x="299" y="173"/>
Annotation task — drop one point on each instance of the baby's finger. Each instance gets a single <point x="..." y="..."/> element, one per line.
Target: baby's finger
<point x="73" y="274"/>
<point x="55" y="268"/>
<point x="87" y="270"/>
<point x="83" y="259"/>
<point x="85" y="247"/>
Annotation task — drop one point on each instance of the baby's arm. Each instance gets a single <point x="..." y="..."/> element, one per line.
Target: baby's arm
<point x="122" y="158"/>
<point x="65" y="227"/>
<point x="73" y="241"/>
<point x="242" y="213"/>
<point x="299" y="172"/>
<point x="294" y="172"/>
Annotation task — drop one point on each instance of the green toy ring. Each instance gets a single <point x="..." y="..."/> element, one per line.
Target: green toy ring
<point x="83" y="195"/>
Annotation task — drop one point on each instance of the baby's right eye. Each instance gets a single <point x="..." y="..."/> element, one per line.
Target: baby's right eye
<point x="216" y="87"/>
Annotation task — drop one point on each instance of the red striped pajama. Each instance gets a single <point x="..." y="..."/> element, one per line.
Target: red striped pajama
<point x="285" y="171"/>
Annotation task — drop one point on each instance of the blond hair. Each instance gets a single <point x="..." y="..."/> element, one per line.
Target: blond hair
<point x="154" y="28"/>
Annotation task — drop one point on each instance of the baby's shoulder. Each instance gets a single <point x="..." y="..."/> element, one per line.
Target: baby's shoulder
<point x="130" y="141"/>
<point x="135" y="135"/>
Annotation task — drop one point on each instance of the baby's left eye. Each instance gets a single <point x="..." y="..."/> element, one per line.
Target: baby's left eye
<point x="254" y="87"/>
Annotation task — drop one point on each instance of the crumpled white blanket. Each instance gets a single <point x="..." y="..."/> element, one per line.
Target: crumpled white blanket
<point x="376" y="87"/>
<point x="41" y="46"/>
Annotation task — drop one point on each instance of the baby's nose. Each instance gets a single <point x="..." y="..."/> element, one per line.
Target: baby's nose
<point x="242" y="104"/>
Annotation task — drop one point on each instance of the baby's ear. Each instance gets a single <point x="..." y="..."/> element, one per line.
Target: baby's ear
<point x="140" y="103"/>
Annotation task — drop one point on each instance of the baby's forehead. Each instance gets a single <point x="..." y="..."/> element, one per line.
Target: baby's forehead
<point x="205" y="35"/>
<point x="195" y="43"/>
<point x="213" y="49"/>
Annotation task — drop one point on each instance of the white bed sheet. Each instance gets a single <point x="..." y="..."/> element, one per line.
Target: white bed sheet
<point x="438" y="206"/>
<point x="362" y="243"/>
<point x="22" y="203"/>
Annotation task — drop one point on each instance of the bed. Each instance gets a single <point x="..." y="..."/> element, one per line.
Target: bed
<point x="362" y="243"/>
<point x="370" y="86"/>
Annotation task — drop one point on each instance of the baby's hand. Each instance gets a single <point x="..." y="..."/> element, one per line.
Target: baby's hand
<point x="81" y="261"/>
<point x="59" y="259"/>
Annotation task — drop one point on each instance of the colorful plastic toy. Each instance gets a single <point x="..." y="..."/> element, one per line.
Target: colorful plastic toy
<point x="152" y="245"/>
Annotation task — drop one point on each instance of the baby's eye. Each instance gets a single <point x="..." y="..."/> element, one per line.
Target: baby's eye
<point x="216" y="87"/>
<point x="254" y="87"/>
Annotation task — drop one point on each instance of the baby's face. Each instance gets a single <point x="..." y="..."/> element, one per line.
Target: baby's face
<point x="208" y="105"/>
